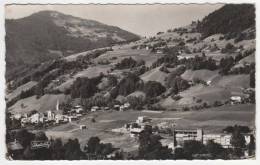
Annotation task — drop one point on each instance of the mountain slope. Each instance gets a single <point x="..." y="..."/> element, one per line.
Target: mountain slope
<point x="48" y="34"/>
<point x="229" y="18"/>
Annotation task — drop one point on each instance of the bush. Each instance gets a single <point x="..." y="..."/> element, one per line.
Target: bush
<point x="153" y="89"/>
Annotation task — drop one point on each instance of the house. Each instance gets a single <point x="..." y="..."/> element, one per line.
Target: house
<point x="180" y="57"/>
<point x="77" y="109"/>
<point x="208" y="82"/>
<point x="121" y="108"/>
<point x="59" y="118"/>
<point x="72" y="118"/>
<point x="94" y="108"/>
<point x="235" y="99"/>
<point x="142" y="119"/>
<point x="50" y="116"/>
<point x="134" y="132"/>
<point x="25" y="121"/>
<point x="83" y="127"/>
<point x="18" y="116"/>
<point x="37" y="118"/>
<point x="117" y="107"/>
<point x="127" y="105"/>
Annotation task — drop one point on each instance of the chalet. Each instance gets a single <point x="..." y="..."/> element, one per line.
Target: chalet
<point x="25" y="121"/>
<point x="142" y="119"/>
<point x="121" y="108"/>
<point x="59" y="118"/>
<point x="127" y="105"/>
<point x="17" y="116"/>
<point x="94" y="108"/>
<point x="79" y="110"/>
<point x="37" y="118"/>
<point x="134" y="132"/>
<point x="72" y="118"/>
<point x="117" y="107"/>
<point x="235" y="99"/>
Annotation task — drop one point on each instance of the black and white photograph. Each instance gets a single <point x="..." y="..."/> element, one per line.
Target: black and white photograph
<point x="130" y="81"/>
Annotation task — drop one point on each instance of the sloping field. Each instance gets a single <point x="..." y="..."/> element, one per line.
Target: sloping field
<point x="140" y="54"/>
<point x="65" y="85"/>
<point x="137" y="94"/>
<point x="232" y="81"/>
<point x="154" y="75"/>
<point x="206" y="93"/>
<point x="93" y="71"/>
<point x="248" y="59"/>
<point x="203" y="74"/>
<point x="21" y="88"/>
<point x="90" y="72"/>
<point x="73" y="57"/>
<point x="44" y="103"/>
<point x="218" y="55"/>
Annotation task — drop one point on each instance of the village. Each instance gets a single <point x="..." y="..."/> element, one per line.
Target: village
<point x="172" y="137"/>
<point x="57" y="116"/>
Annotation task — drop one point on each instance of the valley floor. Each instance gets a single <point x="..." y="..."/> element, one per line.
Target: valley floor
<point x="211" y="120"/>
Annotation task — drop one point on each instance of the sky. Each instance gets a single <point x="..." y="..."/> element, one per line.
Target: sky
<point x="144" y="20"/>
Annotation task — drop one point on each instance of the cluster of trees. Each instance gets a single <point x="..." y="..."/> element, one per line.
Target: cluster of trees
<point x="238" y="16"/>
<point x="226" y="64"/>
<point x="150" y="147"/>
<point x="129" y="63"/>
<point x="136" y="102"/>
<point x="229" y="48"/>
<point x="84" y="87"/>
<point x="127" y="85"/>
<point x="95" y="147"/>
<point x="132" y="83"/>
<point x="58" y="150"/>
<point x="168" y="60"/>
<point x="242" y="129"/>
<point x="200" y="63"/>
<point x="153" y="89"/>
<point x="175" y="82"/>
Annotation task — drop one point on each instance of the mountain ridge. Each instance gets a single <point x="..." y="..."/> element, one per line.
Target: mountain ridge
<point x="50" y="34"/>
